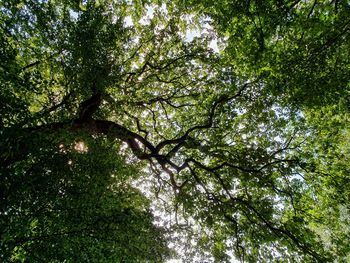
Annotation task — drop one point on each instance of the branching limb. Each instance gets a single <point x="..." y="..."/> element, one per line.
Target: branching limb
<point x="220" y="101"/>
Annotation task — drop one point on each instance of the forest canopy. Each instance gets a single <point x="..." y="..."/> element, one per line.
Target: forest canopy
<point x="204" y="131"/>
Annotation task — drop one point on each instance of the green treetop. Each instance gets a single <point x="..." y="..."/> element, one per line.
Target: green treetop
<point x="125" y="140"/>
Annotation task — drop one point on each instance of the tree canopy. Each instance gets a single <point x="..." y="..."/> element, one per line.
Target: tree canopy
<point x="141" y="131"/>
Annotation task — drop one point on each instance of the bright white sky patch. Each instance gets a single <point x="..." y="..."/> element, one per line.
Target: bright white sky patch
<point x="191" y="34"/>
<point x="128" y="21"/>
<point x="214" y="45"/>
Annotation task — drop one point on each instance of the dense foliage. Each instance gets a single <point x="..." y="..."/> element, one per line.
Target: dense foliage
<point x="127" y="135"/>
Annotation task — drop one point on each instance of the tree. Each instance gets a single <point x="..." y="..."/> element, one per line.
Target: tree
<point x="62" y="204"/>
<point x="299" y="47"/>
<point x="107" y="105"/>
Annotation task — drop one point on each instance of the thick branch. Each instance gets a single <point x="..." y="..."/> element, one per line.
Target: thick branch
<point x="90" y="106"/>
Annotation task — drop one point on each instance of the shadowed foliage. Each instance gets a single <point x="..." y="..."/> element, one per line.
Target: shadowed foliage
<point x="139" y="131"/>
